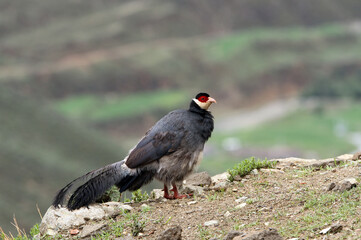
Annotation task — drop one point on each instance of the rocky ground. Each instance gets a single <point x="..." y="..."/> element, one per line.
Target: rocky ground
<point x="298" y="199"/>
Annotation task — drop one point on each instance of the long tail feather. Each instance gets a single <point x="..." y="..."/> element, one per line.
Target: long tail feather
<point x="91" y="186"/>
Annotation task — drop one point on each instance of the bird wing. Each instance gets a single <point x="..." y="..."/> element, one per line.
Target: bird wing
<point x="154" y="146"/>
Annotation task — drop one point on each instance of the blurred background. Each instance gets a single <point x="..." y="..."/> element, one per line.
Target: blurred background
<point x="82" y="80"/>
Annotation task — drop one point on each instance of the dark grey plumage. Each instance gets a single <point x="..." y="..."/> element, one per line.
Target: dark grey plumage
<point x="169" y="151"/>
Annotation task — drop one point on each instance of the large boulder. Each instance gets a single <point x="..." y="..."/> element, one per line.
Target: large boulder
<point x="61" y="220"/>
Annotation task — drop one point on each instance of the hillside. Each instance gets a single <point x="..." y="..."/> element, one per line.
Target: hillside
<point x="300" y="198"/>
<point x="77" y="75"/>
<point x="40" y="151"/>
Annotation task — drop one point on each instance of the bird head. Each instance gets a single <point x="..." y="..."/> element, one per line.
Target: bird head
<point x="203" y="100"/>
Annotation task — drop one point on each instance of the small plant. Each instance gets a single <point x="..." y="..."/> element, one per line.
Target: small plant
<point x="111" y="195"/>
<point x="247" y="165"/>
<point x="137" y="225"/>
<point x="21" y="233"/>
<point x="203" y="232"/>
<point x="138" y="196"/>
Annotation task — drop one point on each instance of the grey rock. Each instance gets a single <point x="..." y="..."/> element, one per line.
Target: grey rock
<point x="335" y="228"/>
<point x="125" y="238"/>
<point x="269" y="234"/>
<point x="199" y="179"/>
<point x="241" y="199"/>
<point x="239" y="206"/>
<point x="59" y="219"/>
<point x="345" y="185"/>
<point x="89" y="230"/>
<point x="191" y="189"/>
<point x="223" y="177"/>
<point x="211" y="223"/>
<point x="173" y="233"/>
<point x="254" y="172"/>
<point x="156" y="194"/>
<point x="356" y="156"/>
<point x="232" y="234"/>
<point x="221" y="186"/>
<point x="331" y="186"/>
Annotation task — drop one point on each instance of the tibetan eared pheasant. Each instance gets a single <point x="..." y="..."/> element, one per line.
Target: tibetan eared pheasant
<point x="168" y="152"/>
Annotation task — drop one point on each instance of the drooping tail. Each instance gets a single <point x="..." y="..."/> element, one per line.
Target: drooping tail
<point x="91" y="186"/>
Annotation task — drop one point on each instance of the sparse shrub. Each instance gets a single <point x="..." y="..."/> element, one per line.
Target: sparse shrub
<point x="138" y="196"/>
<point x="111" y="195"/>
<point x="247" y="165"/>
<point x="137" y="225"/>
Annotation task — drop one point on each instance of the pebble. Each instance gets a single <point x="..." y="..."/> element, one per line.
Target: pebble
<point x="211" y="223"/>
<point x="241" y="199"/>
<point x="242" y="205"/>
<point x="191" y="202"/>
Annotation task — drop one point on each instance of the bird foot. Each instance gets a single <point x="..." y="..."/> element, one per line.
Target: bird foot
<point x="175" y="195"/>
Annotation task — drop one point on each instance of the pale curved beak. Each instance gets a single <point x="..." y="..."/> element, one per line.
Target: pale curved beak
<point x="212" y="100"/>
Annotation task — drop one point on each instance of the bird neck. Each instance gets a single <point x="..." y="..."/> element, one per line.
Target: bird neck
<point x="193" y="107"/>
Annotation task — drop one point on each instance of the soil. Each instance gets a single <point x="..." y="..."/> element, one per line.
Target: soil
<point x="273" y="199"/>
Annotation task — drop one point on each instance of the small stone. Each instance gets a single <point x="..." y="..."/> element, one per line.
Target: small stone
<point x="223" y="177"/>
<point x="331" y="186"/>
<point x="271" y="170"/>
<point x="74" y="231"/>
<point x="211" y="223"/>
<point x="231" y="235"/>
<point x="345" y="185"/>
<point x="227" y="214"/>
<point x="242" y="205"/>
<point x="144" y="206"/>
<point x="199" y="179"/>
<point x="254" y="172"/>
<point x="335" y="228"/>
<point x="234" y="190"/>
<point x="174" y="232"/>
<point x="156" y="194"/>
<point x="190" y="189"/>
<point x="221" y="186"/>
<point x="266" y="223"/>
<point x="356" y="156"/>
<point x="89" y="230"/>
<point x="241" y="199"/>
<point x="269" y="234"/>
<point x="191" y="202"/>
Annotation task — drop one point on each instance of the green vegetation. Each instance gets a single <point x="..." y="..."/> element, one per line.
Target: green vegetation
<point x="247" y="165"/>
<point x="106" y="108"/>
<point x="21" y="234"/>
<point x="329" y="86"/>
<point x="308" y="131"/>
<point x="40" y="152"/>
<point x="322" y="210"/>
<point x="132" y="221"/>
<point x="138" y="196"/>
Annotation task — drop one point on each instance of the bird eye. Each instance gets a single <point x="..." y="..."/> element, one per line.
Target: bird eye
<point x="203" y="99"/>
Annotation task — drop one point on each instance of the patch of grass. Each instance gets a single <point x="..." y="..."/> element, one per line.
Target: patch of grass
<point x="323" y="209"/>
<point x="226" y="47"/>
<point x="136" y="224"/>
<point x="21" y="234"/>
<point x="204" y="232"/>
<point x="247" y="165"/>
<point x="306" y="131"/>
<point x="102" y="108"/>
<point x="138" y="196"/>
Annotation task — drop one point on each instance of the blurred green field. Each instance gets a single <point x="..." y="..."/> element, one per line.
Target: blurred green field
<point x="95" y="108"/>
<point x="313" y="131"/>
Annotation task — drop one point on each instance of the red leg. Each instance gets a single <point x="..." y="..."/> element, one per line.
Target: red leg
<point x="176" y="194"/>
<point x="166" y="193"/>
